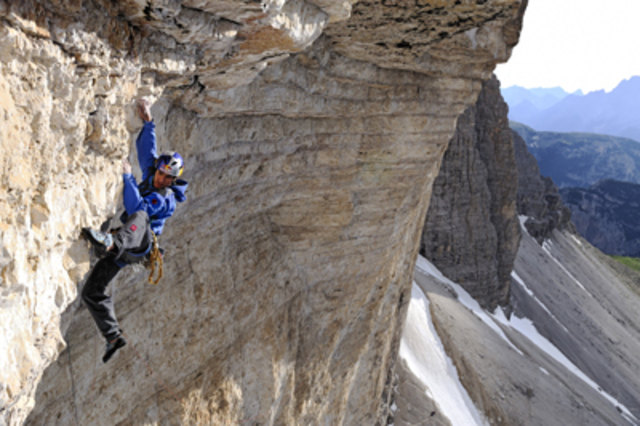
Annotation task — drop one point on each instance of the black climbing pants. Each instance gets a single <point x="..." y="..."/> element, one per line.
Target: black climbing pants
<point x="130" y="242"/>
<point x="98" y="302"/>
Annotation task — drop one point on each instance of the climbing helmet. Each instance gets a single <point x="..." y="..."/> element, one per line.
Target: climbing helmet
<point x="170" y="163"/>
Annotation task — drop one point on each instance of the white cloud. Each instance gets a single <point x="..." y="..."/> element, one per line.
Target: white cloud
<point x="575" y="44"/>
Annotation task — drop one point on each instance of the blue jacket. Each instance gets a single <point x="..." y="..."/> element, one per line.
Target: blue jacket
<point x="159" y="204"/>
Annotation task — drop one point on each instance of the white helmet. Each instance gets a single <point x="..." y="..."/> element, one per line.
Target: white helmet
<point x="170" y="163"/>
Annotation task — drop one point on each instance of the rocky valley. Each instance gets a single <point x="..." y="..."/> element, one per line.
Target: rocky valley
<point x="549" y="342"/>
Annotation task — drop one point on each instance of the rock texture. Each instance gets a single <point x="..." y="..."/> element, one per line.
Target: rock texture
<point x="606" y="215"/>
<point x="310" y="177"/>
<point x="538" y="197"/>
<point x="471" y="233"/>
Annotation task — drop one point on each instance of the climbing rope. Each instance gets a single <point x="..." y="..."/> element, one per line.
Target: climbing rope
<point x="155" y="258"/>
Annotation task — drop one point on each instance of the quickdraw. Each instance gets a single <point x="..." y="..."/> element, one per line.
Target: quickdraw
<point x="155" y="258"/>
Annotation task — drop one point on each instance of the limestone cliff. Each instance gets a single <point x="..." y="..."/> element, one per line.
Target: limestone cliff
<point x="312" y="131"/>
<point x="471" y="233"/>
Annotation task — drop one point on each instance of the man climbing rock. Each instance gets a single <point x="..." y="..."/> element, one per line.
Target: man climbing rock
<point x="147" y="207"/>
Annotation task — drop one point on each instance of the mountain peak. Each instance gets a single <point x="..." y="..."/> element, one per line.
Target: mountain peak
<point x="611" y="113"/>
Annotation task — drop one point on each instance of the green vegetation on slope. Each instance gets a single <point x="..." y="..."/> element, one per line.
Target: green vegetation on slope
<point x="630" y="262"/>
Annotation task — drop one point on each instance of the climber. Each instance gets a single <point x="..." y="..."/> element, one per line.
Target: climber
<point x="147" y="207"/>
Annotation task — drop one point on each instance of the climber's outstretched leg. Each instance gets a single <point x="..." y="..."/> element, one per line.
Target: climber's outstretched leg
<point x="100" y="304"/>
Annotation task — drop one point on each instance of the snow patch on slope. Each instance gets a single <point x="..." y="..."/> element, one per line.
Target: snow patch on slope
<point x="527" y="290"/>
<point x="417" y="343"/>
<point x="546" y="247"/>
<point x="465" y="298"/>
<point x="424" y="353"/>
<point x="526" y="327"/>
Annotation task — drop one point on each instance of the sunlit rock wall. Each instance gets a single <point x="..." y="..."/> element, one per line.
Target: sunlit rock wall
<point x="287" y="270"/>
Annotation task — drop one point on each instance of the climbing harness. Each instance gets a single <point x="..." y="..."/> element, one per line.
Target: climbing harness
<point x="155" y="258"/>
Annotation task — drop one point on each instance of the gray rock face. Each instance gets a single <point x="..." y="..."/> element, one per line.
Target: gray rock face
<point x="538" y="196"/>
<point x="471" y="232"/>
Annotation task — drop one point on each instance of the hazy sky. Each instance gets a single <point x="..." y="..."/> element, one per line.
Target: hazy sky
<point x="575" y="44"/>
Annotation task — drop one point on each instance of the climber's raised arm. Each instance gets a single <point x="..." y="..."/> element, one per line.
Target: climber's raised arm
<point x="146" y="141"/>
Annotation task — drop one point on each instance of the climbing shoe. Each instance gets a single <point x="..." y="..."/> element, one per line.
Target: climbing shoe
<point x="112" y="347"/>
<point x="100" y="240"/>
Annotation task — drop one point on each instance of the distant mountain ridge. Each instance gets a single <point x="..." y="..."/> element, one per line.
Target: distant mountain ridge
<point x="582" y="159"/>
<point x="538" y="98"/>
<point x="613" y="113"/>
